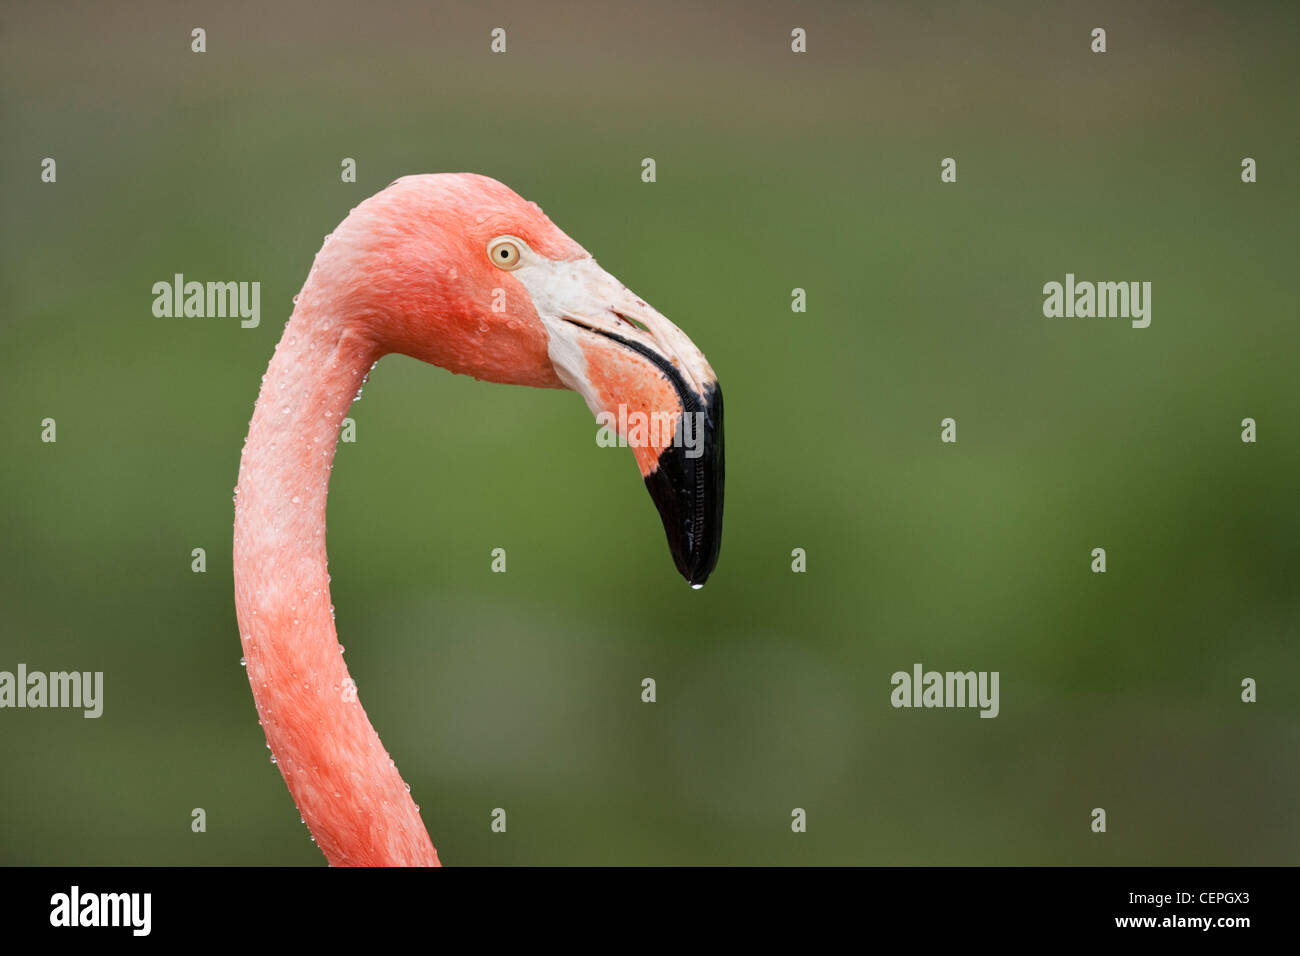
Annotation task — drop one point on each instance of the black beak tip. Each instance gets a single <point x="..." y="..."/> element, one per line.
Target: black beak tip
<point x="687" y="488"/>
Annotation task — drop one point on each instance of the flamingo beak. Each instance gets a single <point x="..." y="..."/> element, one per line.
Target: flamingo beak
<point x="688" y="493"/>
<point x="642" y="377"/>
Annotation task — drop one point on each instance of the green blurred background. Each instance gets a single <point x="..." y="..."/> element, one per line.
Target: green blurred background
<point x="775" y="171"/>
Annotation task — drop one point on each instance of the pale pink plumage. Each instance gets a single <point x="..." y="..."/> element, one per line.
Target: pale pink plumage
<point x="405" y="272"/>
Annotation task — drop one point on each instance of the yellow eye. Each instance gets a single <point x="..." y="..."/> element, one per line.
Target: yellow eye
<point x="504" y="252"/>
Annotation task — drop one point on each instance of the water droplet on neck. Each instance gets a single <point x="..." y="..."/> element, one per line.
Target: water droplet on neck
<point x="243" y="663"/>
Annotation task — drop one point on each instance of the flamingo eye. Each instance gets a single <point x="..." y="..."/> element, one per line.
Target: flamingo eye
<point x="504" y="252"/>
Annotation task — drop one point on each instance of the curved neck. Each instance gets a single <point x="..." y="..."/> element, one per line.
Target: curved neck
<point x="346" y="787"/>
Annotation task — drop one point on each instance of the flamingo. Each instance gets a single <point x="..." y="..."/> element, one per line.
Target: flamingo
<point x="457" y="270"/>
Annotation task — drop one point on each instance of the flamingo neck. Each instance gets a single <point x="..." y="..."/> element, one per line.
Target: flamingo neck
<point x="347" y="788"/>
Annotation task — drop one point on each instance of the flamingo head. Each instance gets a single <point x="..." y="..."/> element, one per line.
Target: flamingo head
<point x="458" y="270"/>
